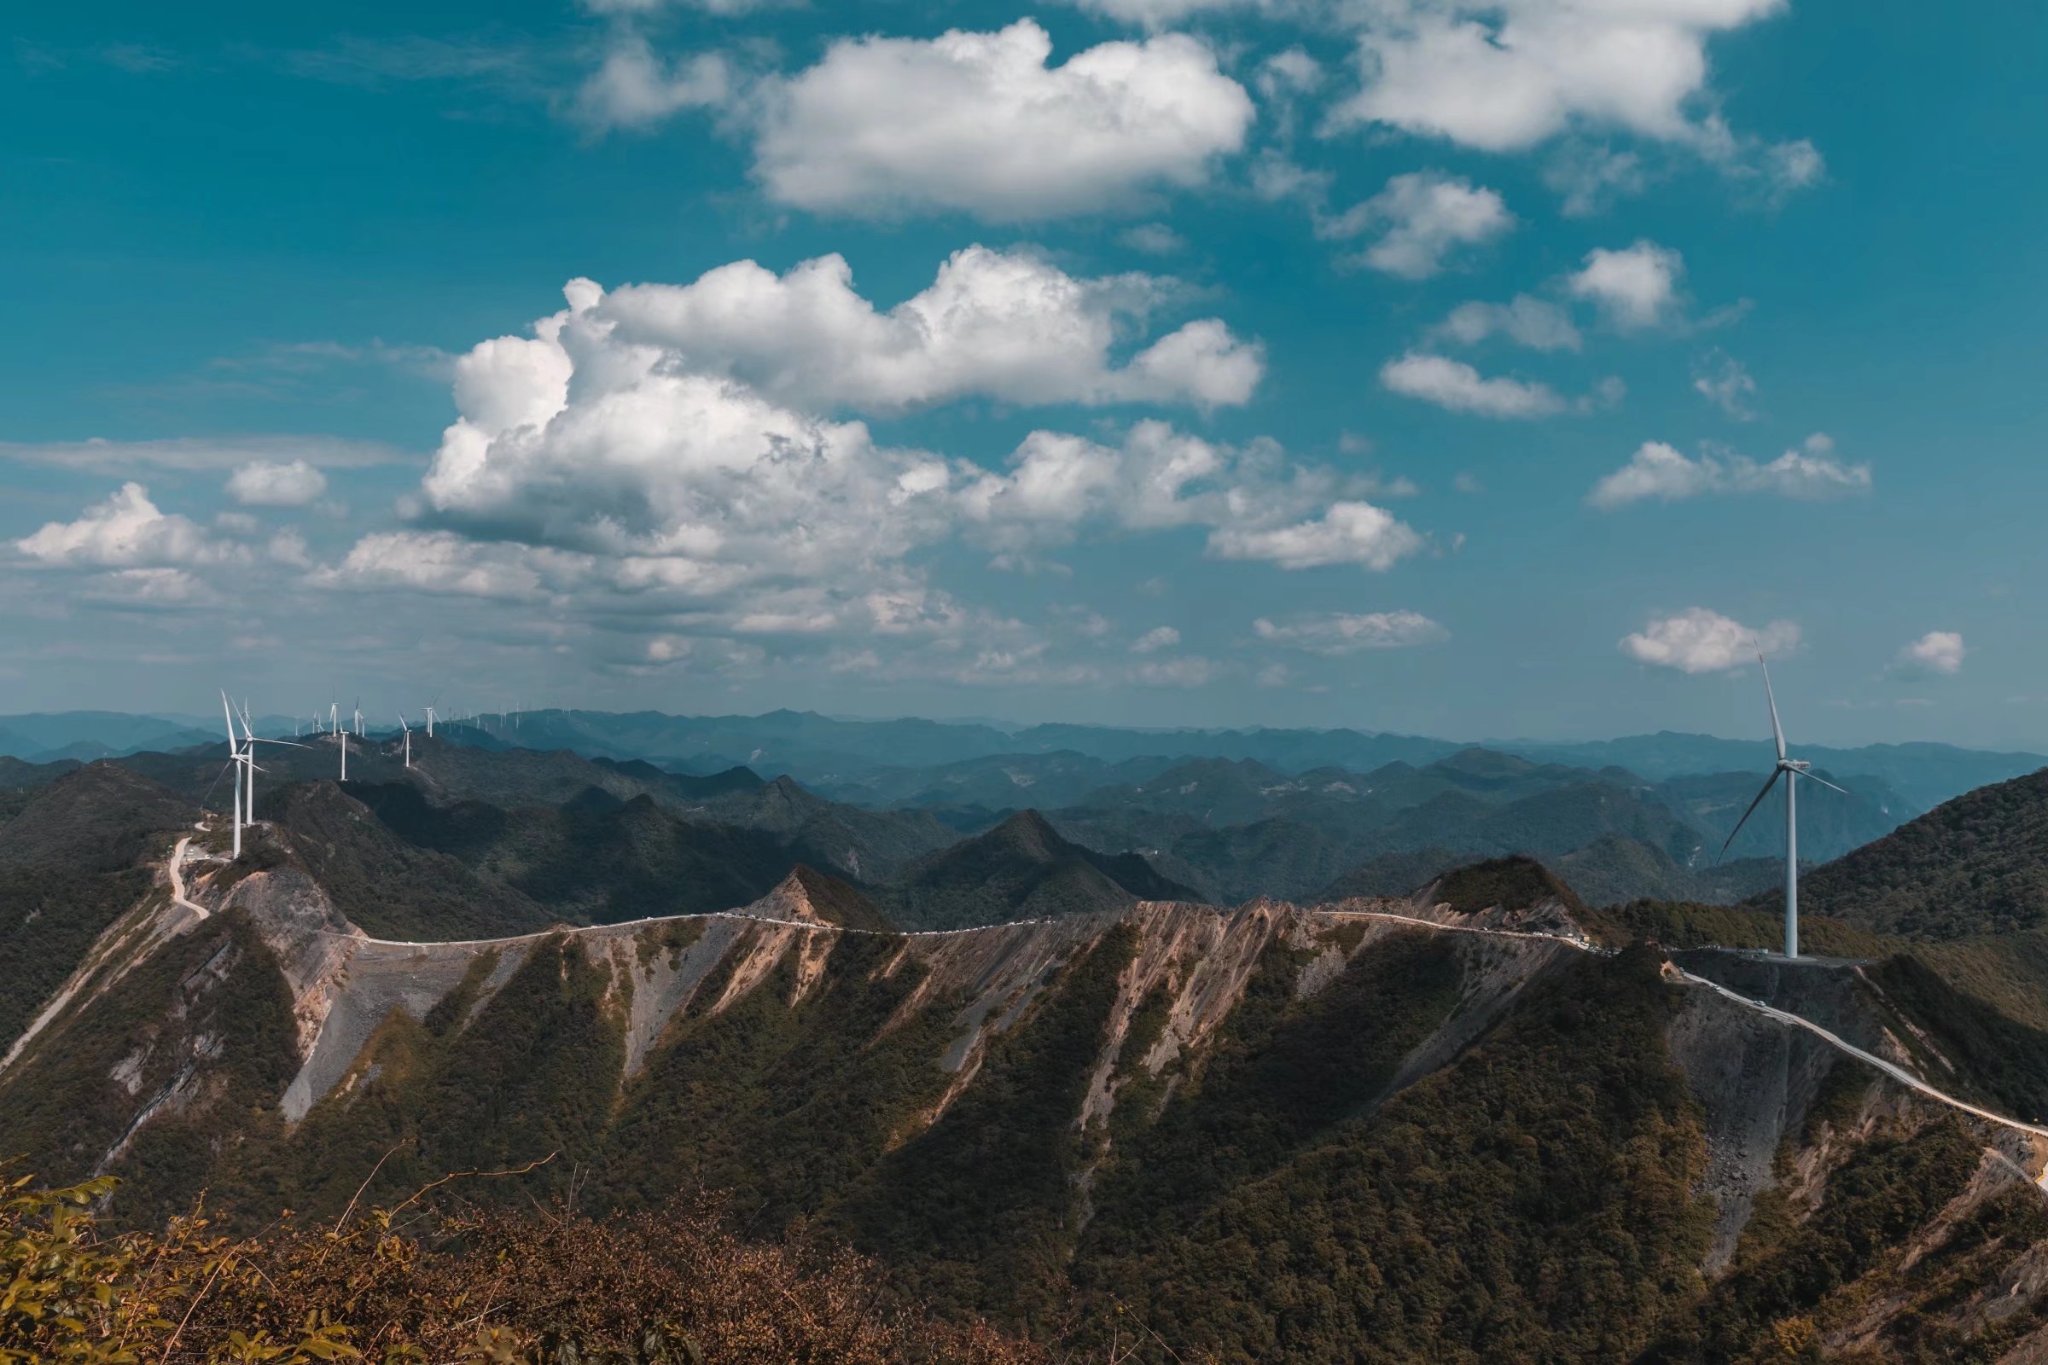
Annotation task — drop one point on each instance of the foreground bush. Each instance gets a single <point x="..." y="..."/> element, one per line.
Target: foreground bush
<point x="674" y="1287"/>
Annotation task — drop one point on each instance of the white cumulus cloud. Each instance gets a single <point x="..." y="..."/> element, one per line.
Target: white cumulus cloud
<point x="1423" y="217"/>
<point x="1339" y="633"/>
<point x="1457" y="386"/>
<point x="981" y="123"/>
<point x="633" y="88"/>
<point x="1634" y="287"/>
<point x="1505" y="75"/>
<point x="600" y="469"/>
<point x="126" y="530"/>
<point x="1006" y="324"/>
<point x="265" y="483"/>
<point x="1346" y="533"/>
<point x="1698" y="640"/>
<point x="1938" y="653"/>
<point x="1658" y="472"/>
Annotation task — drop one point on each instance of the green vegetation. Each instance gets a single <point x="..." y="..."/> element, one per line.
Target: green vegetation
<point x="1022" y="869"/>
<point x="418" y="1283"/>
<point x="1971" y="866"/>
<point x="1531" y="1202"/>
<point x="1681" y="924"/>
<point x="49" y="918"/>
<point x="1511" y="882"/>
<point x="226" y="1035"/>
<point x="982" y="1206"/>
<point x="1786" y="1270"/>
<point x="1982" y="1052"/>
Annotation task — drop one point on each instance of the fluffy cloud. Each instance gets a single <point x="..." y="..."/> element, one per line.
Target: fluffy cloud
<point x="1457" y="386"/>
<point x="1346" y="533"/>
<point x="1006" y="324"/>
<point x="1658" y="472"/>
<point x="126" y="530"/>
<point x="1938" y="653"/>
<point x="633" y="88"/>
<point x="592" y="465"/>
<point x="1425" y="216"/>
<point x="1634" y="287"/>
<point x="1701" y="641"/>
<point x="263" y="483"/>
<point x="1340" y="633"/>
<point x="1532" y="322"/>
<point x="1504" y="75"/>
<point x="980" y="123"/>
<point x="1256" y="504"/>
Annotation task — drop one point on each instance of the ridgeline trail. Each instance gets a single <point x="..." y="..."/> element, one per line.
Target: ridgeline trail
<point x="1574" y="942"/>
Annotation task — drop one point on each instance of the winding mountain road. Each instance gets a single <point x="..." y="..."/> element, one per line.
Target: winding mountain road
<point x="176" y="869"/>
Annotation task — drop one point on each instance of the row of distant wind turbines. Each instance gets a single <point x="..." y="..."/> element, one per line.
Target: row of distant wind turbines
<point x="242" y="751"/>
<point x="242" y="755"/>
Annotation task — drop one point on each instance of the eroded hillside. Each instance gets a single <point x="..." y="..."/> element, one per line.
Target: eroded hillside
<point x="1447" y="1124"/>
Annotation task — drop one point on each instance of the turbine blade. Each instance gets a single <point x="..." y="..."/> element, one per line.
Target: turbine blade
<point x="1824" y="782"/>
<point x="1772" y="781"/>
<point x="228" y="712"/>
<point x="1777" y="731"/>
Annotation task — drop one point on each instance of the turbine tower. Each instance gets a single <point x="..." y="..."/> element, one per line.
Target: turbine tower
<point x="235" y="760"/>
<point x="406" y="730"/>
<point x="245" y="755"/>
<point x="1791" y="769"/>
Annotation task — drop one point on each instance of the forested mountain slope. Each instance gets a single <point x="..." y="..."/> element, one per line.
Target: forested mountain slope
<point x="1974" y="865"/>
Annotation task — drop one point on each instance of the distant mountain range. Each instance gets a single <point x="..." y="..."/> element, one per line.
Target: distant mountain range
<point x="931" y="763"/>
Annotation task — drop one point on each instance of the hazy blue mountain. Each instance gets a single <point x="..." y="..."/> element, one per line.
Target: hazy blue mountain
<point x="1924" y="775"/>
<point x="87" y="735"/>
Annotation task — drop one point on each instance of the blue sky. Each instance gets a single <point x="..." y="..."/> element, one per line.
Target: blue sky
<point x="1473" y="369"/>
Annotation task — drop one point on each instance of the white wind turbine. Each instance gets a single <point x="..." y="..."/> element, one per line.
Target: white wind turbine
<point x="250" y="739"/>
<point x="406" y="730"/>
<point x="235" y="760"/>
<point x="1791" y="769"/>
<point x="359" y="717"/>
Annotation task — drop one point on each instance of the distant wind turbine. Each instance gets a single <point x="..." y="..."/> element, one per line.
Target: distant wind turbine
<point x="359" y="717"/>
<point x="406" y="730"/>
<point x="1791" y="769"/>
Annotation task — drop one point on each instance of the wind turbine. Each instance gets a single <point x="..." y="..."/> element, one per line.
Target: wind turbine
<point x="246" y="811"/>
<point x="407" y="731"/>
<point x="359" y="717"/>
<point x="1791" y="769"/>
<point x="235" y="760"/>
